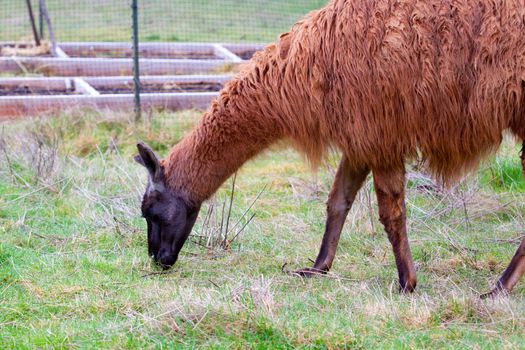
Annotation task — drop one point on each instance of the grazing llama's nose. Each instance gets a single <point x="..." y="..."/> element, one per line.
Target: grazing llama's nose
<point x="166" y="259"/>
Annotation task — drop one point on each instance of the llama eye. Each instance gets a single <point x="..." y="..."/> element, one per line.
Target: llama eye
<point x="153" y="215"/>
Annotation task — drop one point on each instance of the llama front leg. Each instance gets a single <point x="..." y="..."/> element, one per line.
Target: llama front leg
<point x="390" y="189"/>
<point x="348" y="180"/>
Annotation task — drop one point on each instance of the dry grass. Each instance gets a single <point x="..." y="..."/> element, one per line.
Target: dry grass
<point x="28" y="49"/>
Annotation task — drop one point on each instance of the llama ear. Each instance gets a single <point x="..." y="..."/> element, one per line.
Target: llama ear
<point x="139" y="160"/>
<point x="284" y="45"/>
<point x="149" y="160"/>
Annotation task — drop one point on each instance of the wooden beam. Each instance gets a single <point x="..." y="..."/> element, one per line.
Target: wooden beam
<point x="39" y="83"/>
<point x="24" y="106"/>
<point x="82" y="83"/>
<point x="108" y="66"/>
<point x="165" y="47"/>
<point x="145" y="49"/>
<point x="223" y="52"/>
<point x="220" y="78"/>
<point x="60" y="53"/>
<point x="159" y="79"/>
<point x="83" y="87"/>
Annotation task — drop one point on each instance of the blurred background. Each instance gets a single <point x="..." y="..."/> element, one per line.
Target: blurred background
<point x="92" y="43"/>
<point x="231" y="21"/>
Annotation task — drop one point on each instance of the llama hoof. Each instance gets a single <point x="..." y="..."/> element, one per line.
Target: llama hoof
<point x="407" y="290"/>
<point x="309" y="272"/>
<point x="408" y="287"/>
<point x="493" y="294"/>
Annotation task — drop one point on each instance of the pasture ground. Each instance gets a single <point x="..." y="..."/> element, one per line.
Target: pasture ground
<point x="74" y="271"/>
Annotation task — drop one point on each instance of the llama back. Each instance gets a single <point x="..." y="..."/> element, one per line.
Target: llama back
<point x="388" y="81"/>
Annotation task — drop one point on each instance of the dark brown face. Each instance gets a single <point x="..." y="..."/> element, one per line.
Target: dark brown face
<point x="169" y="218"/>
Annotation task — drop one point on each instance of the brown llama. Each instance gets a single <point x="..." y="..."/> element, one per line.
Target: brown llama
<point x="383" y="81"/>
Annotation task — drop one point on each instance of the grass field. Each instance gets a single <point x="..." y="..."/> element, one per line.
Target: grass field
<point x="74" y="271"/>
<point x="161" y="20"/>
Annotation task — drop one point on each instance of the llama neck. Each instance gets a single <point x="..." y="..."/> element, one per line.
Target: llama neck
<point x="231" y="132"/>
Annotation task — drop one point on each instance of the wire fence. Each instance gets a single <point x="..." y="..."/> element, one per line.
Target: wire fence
<point x="230" y="21"/>
<point x="92" y="40"/>
<point x="72" y="20"/>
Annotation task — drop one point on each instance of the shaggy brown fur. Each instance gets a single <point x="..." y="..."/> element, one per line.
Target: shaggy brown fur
<point x="385" y="82"/>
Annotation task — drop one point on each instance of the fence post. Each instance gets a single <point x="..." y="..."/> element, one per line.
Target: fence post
<point x="40" y="21"/>
<point x="32" y="21"/>
<point x="45" y="16"/>
<point x="136" y="72"/>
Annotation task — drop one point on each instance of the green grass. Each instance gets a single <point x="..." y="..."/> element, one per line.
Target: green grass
<point x="161" y="20"/>
<point x="73" y="253"/>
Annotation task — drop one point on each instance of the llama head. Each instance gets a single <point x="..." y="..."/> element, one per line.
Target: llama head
<point x="169" y="218"/>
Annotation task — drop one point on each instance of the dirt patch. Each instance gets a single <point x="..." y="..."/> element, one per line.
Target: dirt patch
<point x="103" y="53"/>
<point x="162" y="88"/>
<point x="169" y="87"/>
<point x="29" y="91"/>
<point x="25" y="50"/>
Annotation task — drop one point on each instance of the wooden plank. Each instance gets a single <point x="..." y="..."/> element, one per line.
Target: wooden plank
<point x="89" y="85"/>
<point x="186" y="47"/>
<point x="83" y="87"/>
<point x="40" y="83"/>
<point x="245" y="51"/>
<point x="60" y="52"/>
<point x="235" y="48"/>
<point x="114" y="81"/>
<point x="223" y="52"/>
<point x="108" y="66"/>
<point x="84" y="48"/>
<point x="60" y="81"/>
<point x="23" y="106"/>
<point x="151" y="50"/>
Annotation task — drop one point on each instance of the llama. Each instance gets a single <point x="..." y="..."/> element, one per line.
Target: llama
<point x="383" y="81"/>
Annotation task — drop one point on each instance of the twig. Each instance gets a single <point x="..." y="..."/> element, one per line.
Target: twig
<point x="502" y="241"/>
<point x="7" y="156"/>
<point x="251" y="205"/>
<point x="201" y="244"/>
<point x="230" y="208"/>
<point x="242" y="229"/>
<point x="370" y="211"/>
<point x="39" y="189"/>
<point x="320" y="273"/>
<point x="117" y="227"/>
<point x="41" y="236"/>
<point x="467" y="221"/>
<point x="158" y="273"/>
<point x="206" y="223"/>
<point x="215" y="284"/>
<point x="222" y="217"/>
<point x="20" y="65"/>
<point x="283" y="266"/>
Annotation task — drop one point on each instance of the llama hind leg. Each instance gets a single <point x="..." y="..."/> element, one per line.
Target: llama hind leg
<point x="516" y="268"/>
<point x="390" y="189"/>
<point x="348" y="180"/>
<point x="512" y="274"/>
